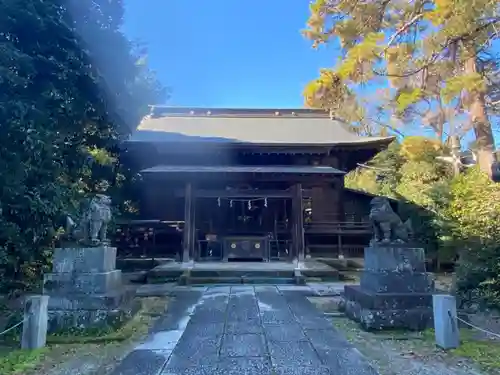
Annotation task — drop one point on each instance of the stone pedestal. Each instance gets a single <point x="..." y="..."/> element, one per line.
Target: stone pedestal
<point x="86" y="290"/>
<point x="395" y="291"/>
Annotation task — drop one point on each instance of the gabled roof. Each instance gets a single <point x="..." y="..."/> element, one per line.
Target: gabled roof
<point x="294" y="127"/>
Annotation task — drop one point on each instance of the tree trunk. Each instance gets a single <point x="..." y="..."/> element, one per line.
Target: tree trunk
<point x="482" y="126"/>
<point x="455" y="154"/>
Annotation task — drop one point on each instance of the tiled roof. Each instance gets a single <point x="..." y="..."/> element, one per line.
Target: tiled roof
<point x="247" y="126"/>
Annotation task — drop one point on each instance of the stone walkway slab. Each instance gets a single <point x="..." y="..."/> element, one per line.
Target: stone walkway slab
<point x="261" y="330"/>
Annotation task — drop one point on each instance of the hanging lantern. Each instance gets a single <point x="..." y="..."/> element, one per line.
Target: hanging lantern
<point x="218" y="201"/>
<point x="265" y="202"/>
<point x="249" y="205"/>
<point x="231" y="203"/>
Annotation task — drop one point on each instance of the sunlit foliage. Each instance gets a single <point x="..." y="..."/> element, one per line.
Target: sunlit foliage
<point x="431" y="57"/>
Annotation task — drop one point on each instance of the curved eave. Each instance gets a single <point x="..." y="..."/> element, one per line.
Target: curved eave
<point x="377" y="143"/>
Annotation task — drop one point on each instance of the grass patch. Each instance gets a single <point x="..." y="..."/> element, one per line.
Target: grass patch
<point x="20" y="361"/>
<point x="151" y="308"/>
<point x="485" y="353"/>
<point x="103" y="347"/>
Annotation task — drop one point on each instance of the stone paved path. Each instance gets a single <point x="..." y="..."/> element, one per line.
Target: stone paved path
<point x="259" y="330"/>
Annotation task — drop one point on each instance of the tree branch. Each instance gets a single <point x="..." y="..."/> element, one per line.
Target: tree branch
<point x="403" y="29"/>
<point x="435" y="55"/>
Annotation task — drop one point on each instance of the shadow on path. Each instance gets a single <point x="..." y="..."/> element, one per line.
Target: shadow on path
<point x="259" y="330"/>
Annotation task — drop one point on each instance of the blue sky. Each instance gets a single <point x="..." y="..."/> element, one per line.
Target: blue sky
<point x="222" y="53"/>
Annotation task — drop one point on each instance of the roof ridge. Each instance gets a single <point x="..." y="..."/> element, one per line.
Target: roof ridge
<point x="165" y="111"/>
<point x="243" y="115"/>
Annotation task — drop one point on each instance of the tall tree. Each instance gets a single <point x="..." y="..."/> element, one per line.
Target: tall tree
<point x="421" y="48"/>
<point x="126" y="85"/>
<point x="54" y="118"/>
<point x="119" y="64"/>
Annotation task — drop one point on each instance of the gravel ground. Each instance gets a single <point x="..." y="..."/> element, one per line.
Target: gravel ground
<point x="399" y="353"/>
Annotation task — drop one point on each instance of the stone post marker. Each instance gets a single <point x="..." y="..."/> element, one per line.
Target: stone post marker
<point x="445" y="321"/>
<point x="35" y="323"/>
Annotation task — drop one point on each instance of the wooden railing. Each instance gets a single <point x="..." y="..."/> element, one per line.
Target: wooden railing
<point x="330" y="227"/>
<point x="213" y="250"/>
<point x="337" y="227"/>
<point x="160" y="239"/>
<point x="333" y="251"/>
<point x="146" y="239"/>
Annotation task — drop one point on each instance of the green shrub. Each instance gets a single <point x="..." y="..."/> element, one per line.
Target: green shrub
<point x="478" y="275"/>
<point x="474" y="215"/>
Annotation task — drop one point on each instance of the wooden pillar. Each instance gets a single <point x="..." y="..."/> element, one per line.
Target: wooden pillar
<point x="189" y="230"/>
<point x="298" y="245"/>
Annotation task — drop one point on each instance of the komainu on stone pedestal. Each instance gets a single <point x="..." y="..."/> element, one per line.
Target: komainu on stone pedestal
<point x="387" y="225"/>
<point x="395" y="291"/>
<point x="86" y="290"/>
<point x="93" y="224"/>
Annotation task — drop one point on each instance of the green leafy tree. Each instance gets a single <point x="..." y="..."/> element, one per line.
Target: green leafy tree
<point x="475" y="206"/>
<point x="453" y="215"/>
<point x="473" y="214"/>
<point x="59" y="128"/>
<point x="426" y="51"/>
<point x="409" y="172"/>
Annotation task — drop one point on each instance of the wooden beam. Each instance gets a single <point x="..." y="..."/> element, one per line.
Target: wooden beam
<point x="307" y="179"/>
<point x="169" y="149"/>
<point x="238" y="193"/>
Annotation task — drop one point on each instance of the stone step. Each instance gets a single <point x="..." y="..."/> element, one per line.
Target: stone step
<point x="240" y="280"/>
<point x="325" y="275"/>
<point x="320" y="279"/>
<point x="163" y="276"/>
<point x="235" y="275"/>
<point x="241" y="273"/>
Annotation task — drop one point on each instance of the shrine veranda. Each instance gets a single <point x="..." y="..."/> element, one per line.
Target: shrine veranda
<point x="224" y="185"/>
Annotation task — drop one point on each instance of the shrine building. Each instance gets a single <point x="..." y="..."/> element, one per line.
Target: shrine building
<point x="248" y="184"/>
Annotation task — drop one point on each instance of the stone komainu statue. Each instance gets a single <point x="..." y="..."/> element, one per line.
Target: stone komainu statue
<point x="387" y="225"/>
<point x="93" y="225"/>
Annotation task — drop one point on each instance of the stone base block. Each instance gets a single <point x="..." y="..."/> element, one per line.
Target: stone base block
<point x="378" y="311"/>
<point x="86" y="260"/>
<point x="393" y="257"/>
<point x="90" y="283"/>
<point x="74" y="301"/>
<point x="397" y="282"/>
<point x="98" y="319"/>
